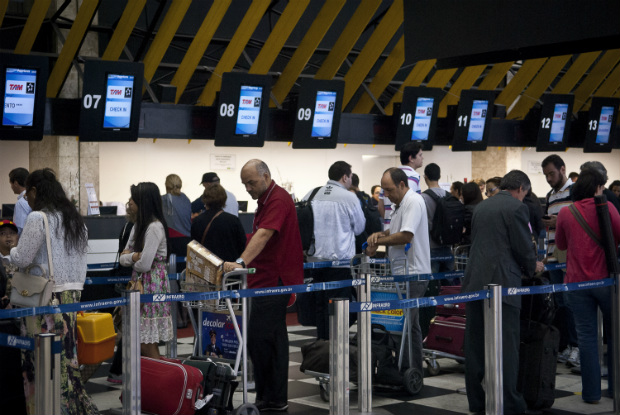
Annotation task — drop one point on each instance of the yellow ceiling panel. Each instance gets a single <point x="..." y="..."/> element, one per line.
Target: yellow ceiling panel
<point x="441" y="78"/>
<point x="164" y="36"/>
<point x="466" y="80"/>
<point x="575" y="72"/>
<point x="610" y="85"/>
<point x="494" y="76"/>
<point x="3" y="6"/>
<point x="528" y="70"/>
<point x="415" y="78"/>
<point x="374" y="47"/>
<point x="235" y="48"/>
<point x="278" y="36"/>
<point x="595" y="77"/>
<point x="84" y="16"/>
<point x="199" y="45"/>
<point x="32" y="27"/>
<point x="123" y="30"/>
<point x="306" y="48"/>
<point x="347" y="39"/>
<point x="383" y="77"/>
<point x="540" y="84"/>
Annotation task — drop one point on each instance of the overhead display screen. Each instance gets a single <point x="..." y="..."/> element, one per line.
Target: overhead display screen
<point x="19" y="97"/>
<point x="477" y="120"/>
<point x="248" y="115"/>
<point x="324" y="114"/>
<point x="119" y="94"/>
<point x="604" y="125"/>
<point x="558" y="123"/>
<point x="422" y="120"/>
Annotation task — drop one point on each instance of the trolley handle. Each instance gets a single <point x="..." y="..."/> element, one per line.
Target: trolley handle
<point x="239" y="271"/>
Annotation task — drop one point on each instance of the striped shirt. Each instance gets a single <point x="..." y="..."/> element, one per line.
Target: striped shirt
<point x="414" y="184"/>
<point x="556" y="200"/>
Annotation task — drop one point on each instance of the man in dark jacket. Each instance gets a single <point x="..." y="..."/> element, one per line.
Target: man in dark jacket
<point x="501" y="252"/>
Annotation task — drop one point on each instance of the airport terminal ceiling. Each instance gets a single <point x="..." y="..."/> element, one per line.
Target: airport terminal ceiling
<point x="190" y="44"/>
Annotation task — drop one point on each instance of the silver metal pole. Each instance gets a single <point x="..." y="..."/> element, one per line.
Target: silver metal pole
<point x="493" y="363"/>
<point x="132" y="389"/>
<point x="615" y="322"/>
<point x="47" y="370"/>
<point x="244" y="336"/>
<point x="364" y="345"/>
<point x="171" y="346"/>
<point x="339" y="357"/>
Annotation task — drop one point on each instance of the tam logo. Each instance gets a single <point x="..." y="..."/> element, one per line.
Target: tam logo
<point x="16" y="87"/>
<point x="604" y="118"/>
<point x="557" y="115"/>
<point x="421" y="111"/>
<point x="322" y="106"/>
<point x="246" y="101"/>
<point x="115" y="92"/>
<point x="476" y="113"/>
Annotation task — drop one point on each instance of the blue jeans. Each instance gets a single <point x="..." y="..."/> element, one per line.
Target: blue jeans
<point x="564" y="319"/>
<point x="443" y="265"/>
<point x="585" y="304"/>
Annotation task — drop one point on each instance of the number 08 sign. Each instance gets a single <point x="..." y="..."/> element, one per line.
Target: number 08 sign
<point x="111" y="101"/>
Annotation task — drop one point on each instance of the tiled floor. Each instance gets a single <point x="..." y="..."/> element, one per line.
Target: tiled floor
<point x="438" y="397"/>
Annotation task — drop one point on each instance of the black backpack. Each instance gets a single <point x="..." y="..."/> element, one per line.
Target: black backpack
<point x="449" y="219"/>
<point x="305" y="219"/>
<point x="374" y="223"/>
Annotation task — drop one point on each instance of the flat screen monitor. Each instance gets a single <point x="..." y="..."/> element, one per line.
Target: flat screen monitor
<point x="323" y="114"/>
<point x="248" y="115"/>
<point x="418" y="116"/>
<point x="19" y="97"/>
<point x="600" y="125"/>
<point x="8" y="210"/>
<point x="553" y="122"/>
<point x="317" y="116"/>
<point x="558" y="123"/>
<point x="473" y="120"/>
<point x="119" y="94"/>
<point x="477" y="120"/>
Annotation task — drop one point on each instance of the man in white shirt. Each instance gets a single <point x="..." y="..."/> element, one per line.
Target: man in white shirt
<point x="411" y="158"/>
<point x="17" y="179"/>
<point x="409" y="226"/>
<point x="338" y="218"/>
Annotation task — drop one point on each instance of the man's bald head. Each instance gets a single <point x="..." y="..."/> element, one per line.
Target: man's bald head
<point x="256" y="177"/>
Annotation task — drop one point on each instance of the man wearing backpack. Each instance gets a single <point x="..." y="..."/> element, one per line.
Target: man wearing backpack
<point x="338" y="217"/>
<point x="374" y="223"/>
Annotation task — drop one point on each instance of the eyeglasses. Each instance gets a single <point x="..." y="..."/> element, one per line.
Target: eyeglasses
<point x="490" y="192"/>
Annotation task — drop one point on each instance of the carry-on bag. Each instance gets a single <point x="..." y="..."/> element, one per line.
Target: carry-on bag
<point x="219" y="385"/>
<point x="457" y="309"/>
<point x="169" y="388"/>
<point x="446" y="334"/>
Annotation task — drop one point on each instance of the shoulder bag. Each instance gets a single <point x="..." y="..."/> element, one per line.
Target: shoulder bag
<point x="204" y="234"/>
<point x="581" y="220"/>
<point x="35" y="290"/>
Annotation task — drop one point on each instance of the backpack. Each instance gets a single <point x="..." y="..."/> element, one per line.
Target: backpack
<point x="374" y="223"/>
<point x="449" y="219"/>
<point x="305" y="219"/>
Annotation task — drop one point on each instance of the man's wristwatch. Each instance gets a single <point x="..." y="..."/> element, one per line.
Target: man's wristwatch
<point x="240" y="262"/>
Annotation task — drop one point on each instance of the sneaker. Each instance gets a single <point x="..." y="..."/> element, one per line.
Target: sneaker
<point x="117" y="379"/>
<point x="271" y="406"/>
<point x="563" y="357"/>
<point x="573" y="359"/>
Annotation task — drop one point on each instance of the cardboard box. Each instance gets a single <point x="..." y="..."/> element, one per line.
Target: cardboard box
<point x="204" y="264"/>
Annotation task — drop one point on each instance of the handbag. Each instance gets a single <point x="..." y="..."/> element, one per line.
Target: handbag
<point x="204" y="234"/>
<point x="30" y="290"/>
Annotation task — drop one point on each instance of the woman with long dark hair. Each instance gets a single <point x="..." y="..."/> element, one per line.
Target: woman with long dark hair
<point x="585" y="261"/>
<point x="471" y="197"/>
<point x="146" y="253"/>
<point x="69" y="240"/>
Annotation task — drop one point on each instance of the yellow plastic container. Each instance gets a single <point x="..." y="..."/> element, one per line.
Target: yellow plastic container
<point x="96" y="337"/>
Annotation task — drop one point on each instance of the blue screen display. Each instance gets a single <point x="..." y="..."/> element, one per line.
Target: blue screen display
<point x="558" y="123"/>
<point x="604" y="125"/>
<point x="478" y="118"/>
<point x="119" y="94"/>
<point x="422" y="119"/>
<point x="323" y="114"/>
<point x="19" y="96"/>
<point x="249" y="110"/>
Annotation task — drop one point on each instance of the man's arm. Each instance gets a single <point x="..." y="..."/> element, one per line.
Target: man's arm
<point x="381" y="208"/>
<point x="387" y="239"/>
<point x="255" y="247"/>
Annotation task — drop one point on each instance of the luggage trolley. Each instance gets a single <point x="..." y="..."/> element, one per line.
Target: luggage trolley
<point x="461" y="255"/>
<point x="232" y="281"/>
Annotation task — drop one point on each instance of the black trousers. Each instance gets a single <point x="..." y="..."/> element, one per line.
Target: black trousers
<point x="268" y="347"/>
<point x="322" y="297"/>
<point x="12" y="400"/>
<point x="475" y="353"/>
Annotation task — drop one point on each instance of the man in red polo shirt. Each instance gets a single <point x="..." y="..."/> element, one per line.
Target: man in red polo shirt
<point x="274" y="249"/>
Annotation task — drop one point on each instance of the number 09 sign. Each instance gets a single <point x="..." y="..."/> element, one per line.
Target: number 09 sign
<point x="110" y="107"/>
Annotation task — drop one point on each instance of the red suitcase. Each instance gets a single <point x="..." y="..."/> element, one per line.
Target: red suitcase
<point x="446" y="334"/>
<point x="169" y="388"/>
<point x="457" y="309"/>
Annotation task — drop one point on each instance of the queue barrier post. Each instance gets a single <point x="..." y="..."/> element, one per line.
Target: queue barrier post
<point x="339" y="356"/>
<point x="364" y="345"/>
<point x="493" y="363"/>
<point x="132" y="404"/>
<point x="615" y="321"/>
<point x="171" y="346"/>
<point x="47" y="369"/>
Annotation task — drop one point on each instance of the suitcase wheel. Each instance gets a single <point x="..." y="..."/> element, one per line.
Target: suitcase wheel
<point x="432" y="366"/>
<point x="324" y="391"/>
<point x="414" y="380"/>
<point x="246" y="409"/>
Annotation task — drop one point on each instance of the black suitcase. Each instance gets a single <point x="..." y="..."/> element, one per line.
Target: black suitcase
<point x="538" y="354"/>
<point x="219" y="381"/>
